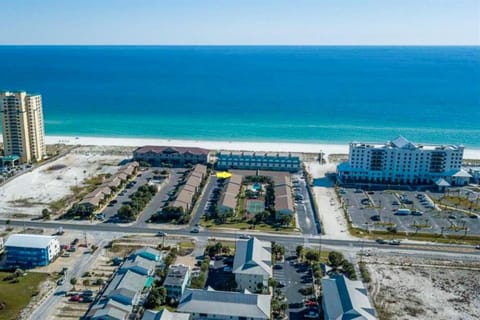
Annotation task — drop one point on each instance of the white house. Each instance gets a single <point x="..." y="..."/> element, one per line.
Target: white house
<point x="252" y="264"/>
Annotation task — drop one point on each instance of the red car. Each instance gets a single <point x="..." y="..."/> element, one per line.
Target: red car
<point x="76" y="298"/>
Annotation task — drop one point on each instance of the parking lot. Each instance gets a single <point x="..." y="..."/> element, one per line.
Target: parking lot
<point x="293" y="276"/>
<point x="149" y="175"/>
<point x="205" y="202"/>
<point x="405" y="211"/>
<point x="306" y="218"/>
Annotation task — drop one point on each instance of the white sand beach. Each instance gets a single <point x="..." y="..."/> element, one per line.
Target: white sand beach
<point x="219" y="145"/>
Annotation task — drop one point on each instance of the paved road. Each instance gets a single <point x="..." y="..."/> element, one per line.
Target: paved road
<point x="285" y="239"/>
<point x="82" y="265"/>
<point x="200" y="208"/>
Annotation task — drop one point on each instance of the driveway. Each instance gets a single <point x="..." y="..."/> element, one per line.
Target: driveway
<point x="200" y="208"/>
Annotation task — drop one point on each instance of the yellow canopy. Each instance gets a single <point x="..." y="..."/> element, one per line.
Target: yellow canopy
<point x="223" y="175"/>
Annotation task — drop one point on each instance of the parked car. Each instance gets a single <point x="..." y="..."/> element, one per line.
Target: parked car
<point x="76" y="298"/>
<point x="61" y="281"/>
<point x="277" y="266"/>
<point x="477" y="247"/>
<point x="87" y="293"/>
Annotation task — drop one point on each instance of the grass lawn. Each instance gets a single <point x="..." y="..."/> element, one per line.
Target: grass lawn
<point x="15" y="296"/>
<point x="246" y="226"/>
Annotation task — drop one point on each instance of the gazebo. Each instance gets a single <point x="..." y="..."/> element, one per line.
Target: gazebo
<point x="441" y="184"/>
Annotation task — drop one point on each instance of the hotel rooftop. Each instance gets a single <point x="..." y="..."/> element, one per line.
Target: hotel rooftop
<point x="402" y="143"/>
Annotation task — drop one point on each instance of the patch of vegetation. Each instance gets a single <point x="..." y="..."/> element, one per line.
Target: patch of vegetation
<point x="139" y="201"/>
<point x="186" y="247"/>
<point x="200" y="281"/>
<point x="338" y="263"/>
<point x="25" y="202"/>
<point x="278" y="252"/>
<point x="57" y="205"/>
<point x="16" y="293"/>
<point x="218" y="248"/>
<point x="156" y="298"/>
<point x="364" y="272"/>
<point x="458" y="201"/>
<point x="80" y="211"/>
<point x="171" y="214"/>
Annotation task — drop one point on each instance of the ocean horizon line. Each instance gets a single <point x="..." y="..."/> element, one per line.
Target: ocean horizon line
<point x="242" y="45"/>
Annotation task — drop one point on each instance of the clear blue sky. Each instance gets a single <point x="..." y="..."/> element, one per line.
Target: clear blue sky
<point x="323" y="22"/>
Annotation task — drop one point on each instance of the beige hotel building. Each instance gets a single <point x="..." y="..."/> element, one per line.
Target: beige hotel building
<point x="22" y="123"/>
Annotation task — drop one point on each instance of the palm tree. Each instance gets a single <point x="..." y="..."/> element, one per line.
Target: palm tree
<point x="73" y="282"/>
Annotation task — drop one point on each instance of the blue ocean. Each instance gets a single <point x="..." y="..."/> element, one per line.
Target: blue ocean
<point x="253" y="93"/>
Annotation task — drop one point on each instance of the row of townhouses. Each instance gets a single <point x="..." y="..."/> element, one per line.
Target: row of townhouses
<point x="110" y="186"/>
<point x="191" y="188"/>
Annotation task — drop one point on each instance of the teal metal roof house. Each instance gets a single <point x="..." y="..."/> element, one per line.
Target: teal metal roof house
<point x="148" y="253"/>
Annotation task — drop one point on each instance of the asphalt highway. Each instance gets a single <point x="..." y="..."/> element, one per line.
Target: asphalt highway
<point x="285" y="239"/>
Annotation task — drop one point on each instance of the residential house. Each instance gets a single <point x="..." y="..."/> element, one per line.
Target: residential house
<point x="123" y="292"/>
<point x="139" y="265"/>
<point x="346" y="299"/>
<point x="178" y="277"/>
<point x="126" y="287"/>
<point x="252" y="265"/>
<point x="228" y="201"/>
<point x="224" y="305"/>
<point x="148" y="253"/>
<point x="165" y="315"/>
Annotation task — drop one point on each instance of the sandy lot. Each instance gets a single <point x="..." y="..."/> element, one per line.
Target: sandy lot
<point x="331" y="214"/>
<point x="414" y="288"/>
<point x="34" y="191"/>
